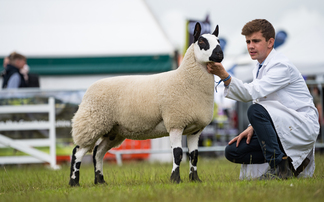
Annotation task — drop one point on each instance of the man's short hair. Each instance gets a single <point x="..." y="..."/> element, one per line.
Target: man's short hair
<point x="257" y="25"/>
<point x="14" y="56"/>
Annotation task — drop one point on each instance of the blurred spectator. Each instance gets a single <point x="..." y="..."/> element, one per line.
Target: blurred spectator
<point x="12" y="78"/>
<point x="16" y="73"/>
<point x="24" y="71"/>
<point x="5" y="62"/>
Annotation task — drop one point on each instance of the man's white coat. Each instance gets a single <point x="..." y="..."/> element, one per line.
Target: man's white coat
<point x="281" y="89"/>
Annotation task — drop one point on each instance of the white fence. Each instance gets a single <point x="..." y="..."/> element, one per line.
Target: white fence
<point x="26" y="145"/>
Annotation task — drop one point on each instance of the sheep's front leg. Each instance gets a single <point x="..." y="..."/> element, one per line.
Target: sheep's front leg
<point x="175" y="139"/>
<point x="192" y="141"/>
<point x="77" y="156"/>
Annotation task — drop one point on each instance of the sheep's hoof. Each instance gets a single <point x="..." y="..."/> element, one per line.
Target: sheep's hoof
<point x="99" y="178"/>
<point x="175" y="176"/>
<point x="74" y="183"/>
<point x="193" y="176"/>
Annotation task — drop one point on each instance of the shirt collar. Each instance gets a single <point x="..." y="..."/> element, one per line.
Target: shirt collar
<point x="266" y="61"/>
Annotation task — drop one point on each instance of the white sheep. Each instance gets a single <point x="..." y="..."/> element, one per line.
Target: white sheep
<point x="174" y="103"/>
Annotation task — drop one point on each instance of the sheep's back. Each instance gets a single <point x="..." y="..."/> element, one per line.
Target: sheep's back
<point x="127" y="101"/>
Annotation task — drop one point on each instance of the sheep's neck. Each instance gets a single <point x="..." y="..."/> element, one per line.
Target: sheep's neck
<point x="194" y="72"/>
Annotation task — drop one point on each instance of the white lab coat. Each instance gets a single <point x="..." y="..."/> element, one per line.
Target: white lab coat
<point x="281" y="89"/>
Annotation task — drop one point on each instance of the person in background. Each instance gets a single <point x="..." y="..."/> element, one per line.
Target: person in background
<point x="25" y="72"/>
<point x="12" y="77"/>
<point x="283" y="119"/>
<point x="5" y="62"/>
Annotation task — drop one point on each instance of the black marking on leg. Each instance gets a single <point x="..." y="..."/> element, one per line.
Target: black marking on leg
<point x="177" y="154"/>
<point x="193" y="176"/>
<point x="94" y="157"/>
<point x="99" y="178"/>
<point x="175" y="176"/>
<point x="78" y="165"/>
<point x="193" y="157"/>
<point x="74" y="182"/>
<point x="73" y="159"/>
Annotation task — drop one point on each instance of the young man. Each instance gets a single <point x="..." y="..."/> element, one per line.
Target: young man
<point x="12" y="78"/>
<point x="283" y="120"/>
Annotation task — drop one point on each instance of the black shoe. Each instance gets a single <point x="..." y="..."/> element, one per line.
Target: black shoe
<point x="281" y="171"/>
<point x="270" y="174"/>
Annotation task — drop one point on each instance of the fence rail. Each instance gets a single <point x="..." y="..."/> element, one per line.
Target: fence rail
<point x="26" y="145"/>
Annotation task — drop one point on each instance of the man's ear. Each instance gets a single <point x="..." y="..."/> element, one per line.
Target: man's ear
<point x="271" y="42"/>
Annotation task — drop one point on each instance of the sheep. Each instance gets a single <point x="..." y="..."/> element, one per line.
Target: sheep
<point x="175" y="103"/>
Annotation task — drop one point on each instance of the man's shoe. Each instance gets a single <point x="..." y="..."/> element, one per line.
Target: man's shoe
<point x="281" y="171"/>
<point x="270" y="174"/>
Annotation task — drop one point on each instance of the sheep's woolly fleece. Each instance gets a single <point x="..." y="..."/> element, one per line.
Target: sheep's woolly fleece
<point x="145" y="107"/>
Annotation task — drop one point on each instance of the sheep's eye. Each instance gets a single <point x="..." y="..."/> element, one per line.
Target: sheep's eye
<point x="203" y="43"/>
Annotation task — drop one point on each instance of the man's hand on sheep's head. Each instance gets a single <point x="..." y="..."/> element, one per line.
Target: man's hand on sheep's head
<point x="217" y="69"/>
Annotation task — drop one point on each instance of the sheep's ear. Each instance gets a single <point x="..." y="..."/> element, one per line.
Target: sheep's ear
<point x="216" y="31"/>
<point x="197" y="31"/>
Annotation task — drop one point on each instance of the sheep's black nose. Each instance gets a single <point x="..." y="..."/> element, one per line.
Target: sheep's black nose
<point x="217" y="55"/>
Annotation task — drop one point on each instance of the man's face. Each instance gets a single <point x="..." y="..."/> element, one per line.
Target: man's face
<point x="19" y="63"/>
<point x="258" y="47"/>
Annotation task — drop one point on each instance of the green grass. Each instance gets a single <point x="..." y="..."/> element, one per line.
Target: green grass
<point x="61" y="150"/>
<point x="143" y="181"/>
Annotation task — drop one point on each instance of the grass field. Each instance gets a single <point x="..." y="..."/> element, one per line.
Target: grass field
<point x="143" y="181"/>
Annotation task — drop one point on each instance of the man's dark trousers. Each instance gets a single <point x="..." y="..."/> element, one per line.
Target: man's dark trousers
<point x="264" y="145"/>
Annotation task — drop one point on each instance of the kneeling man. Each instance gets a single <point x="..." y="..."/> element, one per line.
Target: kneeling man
<point x="283" y="119"/>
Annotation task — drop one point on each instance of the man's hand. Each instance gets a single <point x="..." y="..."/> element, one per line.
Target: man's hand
<point x="218" y="69"/>
<point x="247" y="133"/>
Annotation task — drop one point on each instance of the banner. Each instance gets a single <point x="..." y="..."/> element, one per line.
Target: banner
<point x="205" y="28"/>
<point x="190" y="27"/>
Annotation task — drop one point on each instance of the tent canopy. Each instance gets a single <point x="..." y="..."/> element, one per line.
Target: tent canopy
<point x="72" y="37"/>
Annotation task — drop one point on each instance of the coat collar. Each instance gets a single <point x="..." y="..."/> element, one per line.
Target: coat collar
<point x="268" y="59"/>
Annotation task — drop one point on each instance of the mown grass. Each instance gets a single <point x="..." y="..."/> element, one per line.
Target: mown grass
<point x="143" y="181"/>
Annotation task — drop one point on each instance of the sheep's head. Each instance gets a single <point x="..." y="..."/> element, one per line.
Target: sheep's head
<point x="207" y="47"/>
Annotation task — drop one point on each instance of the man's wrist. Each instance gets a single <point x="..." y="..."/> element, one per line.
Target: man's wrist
<point x="224" y="76"/>
<point x="227" y="80"/>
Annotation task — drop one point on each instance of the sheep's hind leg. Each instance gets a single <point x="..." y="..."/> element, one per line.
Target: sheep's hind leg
<point x="192" y="141"/>
<point x="99" y="153"/>
<point x="77" y="156"/>
<point x="175" y="139"/>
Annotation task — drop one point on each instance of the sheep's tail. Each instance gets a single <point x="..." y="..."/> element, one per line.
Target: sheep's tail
<point x="86" y="129"/>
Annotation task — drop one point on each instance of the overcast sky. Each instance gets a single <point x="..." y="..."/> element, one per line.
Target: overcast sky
<point x="230" y="15"/>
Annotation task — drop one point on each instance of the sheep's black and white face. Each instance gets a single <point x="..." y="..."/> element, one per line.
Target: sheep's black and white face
<point x="207" y="47"/>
